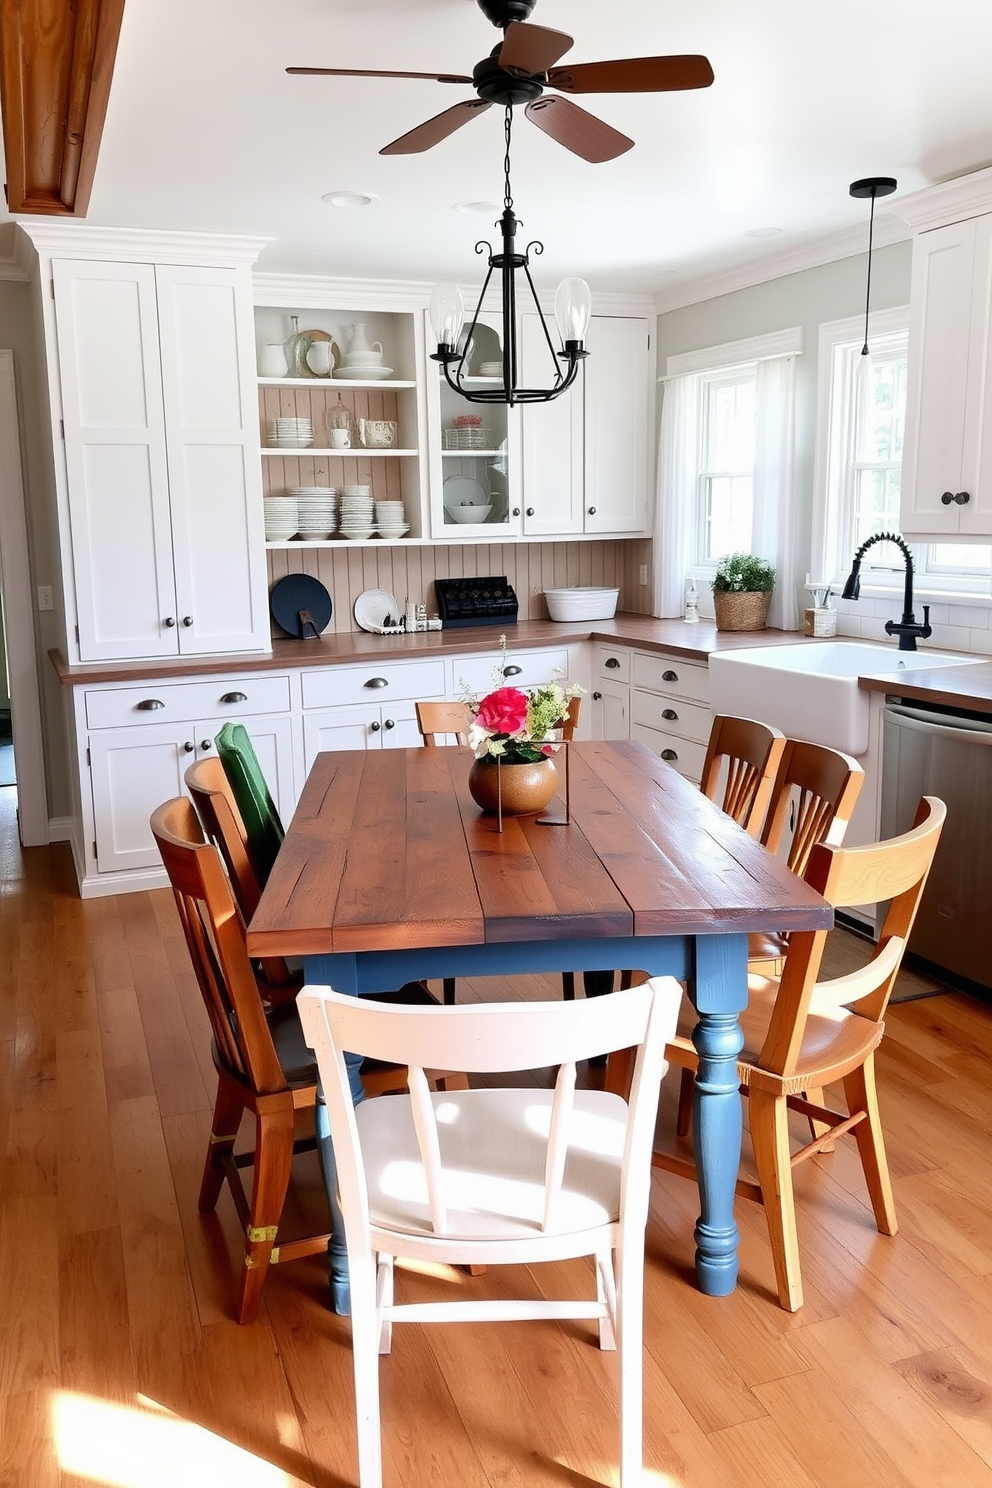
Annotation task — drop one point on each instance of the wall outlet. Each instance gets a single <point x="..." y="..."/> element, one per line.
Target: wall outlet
<point x="45" y="597"/>
<point x="644" y="573"/>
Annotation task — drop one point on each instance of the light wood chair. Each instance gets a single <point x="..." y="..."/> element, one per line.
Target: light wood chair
<point x="742" y="760"/>
<point x="801" y="1035"/>
<point x="263" y="1066"/>
<point x="495" y="1176"/>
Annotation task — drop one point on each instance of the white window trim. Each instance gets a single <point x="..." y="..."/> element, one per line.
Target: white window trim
<point x="734" y="353"/>
<point x="834" y="333"/>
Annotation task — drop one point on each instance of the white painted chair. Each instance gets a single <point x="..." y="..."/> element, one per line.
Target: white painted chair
<point x="495" y="1176"/>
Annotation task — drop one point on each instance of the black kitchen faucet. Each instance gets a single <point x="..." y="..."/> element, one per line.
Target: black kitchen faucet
<point x="908" y="628"/>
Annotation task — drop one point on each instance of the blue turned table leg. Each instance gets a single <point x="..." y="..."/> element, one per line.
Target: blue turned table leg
<point x="719" y="992"/>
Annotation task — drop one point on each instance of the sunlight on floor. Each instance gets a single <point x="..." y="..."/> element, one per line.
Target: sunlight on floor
<point x="125" y="1447"/>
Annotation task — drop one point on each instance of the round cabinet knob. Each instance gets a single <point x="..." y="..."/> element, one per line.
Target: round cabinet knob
<point x="597" y="697"/>
<point x="188" y="747"/>
<point x="612" y="663"/>
<point x="389" y="723"/>
<point x="962" y="497"/>
<point x="375" y="727"/>
<point x="670" y="714"/>
<point x="187" y="621"/>
<point x="946" y="498"/>
<point x="592" y="511"/>
<point x="169" y="621"/>
<point x="530" y="511"/>
<point x="669" y="676"/>
<point x="206" y="745"/>
<point x="669" y="755"/>
<point x="516" y="511"/>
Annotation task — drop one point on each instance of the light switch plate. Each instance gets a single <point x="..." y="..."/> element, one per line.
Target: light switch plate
<point x="45" y="597"/>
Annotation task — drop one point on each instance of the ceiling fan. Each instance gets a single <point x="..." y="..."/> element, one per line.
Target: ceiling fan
<point x="518" y="71"/>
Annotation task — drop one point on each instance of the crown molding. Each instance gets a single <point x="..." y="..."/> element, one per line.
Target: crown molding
<point x="15" y="255"/>
<point x="48" y="239"/>
<point x="325" y="292"/>
<point x="812" y="255"/>
<point x="949" y="201"/>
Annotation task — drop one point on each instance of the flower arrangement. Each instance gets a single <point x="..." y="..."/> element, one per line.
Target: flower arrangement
<point x="514" y="725"/>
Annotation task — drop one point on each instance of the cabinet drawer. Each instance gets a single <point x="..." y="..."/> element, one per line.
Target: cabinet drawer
<point x="669" y="675"/>
<point x="612" y="663"/>
<point x="672" y="716"/>
<point x="683" y="755"/>
<point x="475" y="673"/>
<point x="375" y="683"/>
<point x="213" y="698"/>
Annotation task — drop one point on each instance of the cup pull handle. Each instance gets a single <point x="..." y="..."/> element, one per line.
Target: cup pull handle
<point x="669" y="676"/>
<point x="377" y="682"/>
<point x="670" y="714"/>
<point x="234" y="697"/>
<point x="512" y="671"/>
<point x="149" y="705"/>
<point x="669" y="755"/>
<point x="612" y="663"/>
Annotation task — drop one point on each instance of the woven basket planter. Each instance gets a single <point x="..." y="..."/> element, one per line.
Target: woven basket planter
<point x="741" y="611"/>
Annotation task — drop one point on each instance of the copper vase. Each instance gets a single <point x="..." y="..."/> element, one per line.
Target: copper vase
<point x="525" y="788"/>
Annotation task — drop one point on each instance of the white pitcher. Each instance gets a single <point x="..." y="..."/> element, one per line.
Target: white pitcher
<point x="320" y="358"/>
<point x="360" y="352"/>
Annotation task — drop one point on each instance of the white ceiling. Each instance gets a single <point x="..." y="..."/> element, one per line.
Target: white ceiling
<point x="205" y="131"/>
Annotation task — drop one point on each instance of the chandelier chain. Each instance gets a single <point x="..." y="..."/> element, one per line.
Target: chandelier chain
<point x="507" y="193"/>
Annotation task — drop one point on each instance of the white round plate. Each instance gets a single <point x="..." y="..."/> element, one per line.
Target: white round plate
<point x="462" y="490"/>
<point x="373" y="373"/>
<point x="373" y="606"/>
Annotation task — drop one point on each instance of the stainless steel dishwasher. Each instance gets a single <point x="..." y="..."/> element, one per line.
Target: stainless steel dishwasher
<point x="941" y="752"/>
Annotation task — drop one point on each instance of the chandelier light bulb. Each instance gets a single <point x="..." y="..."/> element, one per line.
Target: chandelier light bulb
<point x="573" y="307"/>
<point x="446" y="309"/>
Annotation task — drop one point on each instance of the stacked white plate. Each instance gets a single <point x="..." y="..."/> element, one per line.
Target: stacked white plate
<point x="318" y="509"/>
<point x="290" y="433"/>
<point x="281" y="518"/>
<point x="357" y="507"/>
<point x="390" y="519"/>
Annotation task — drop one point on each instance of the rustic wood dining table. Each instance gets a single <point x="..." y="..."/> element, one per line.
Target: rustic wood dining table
<point x="389" y="873"/>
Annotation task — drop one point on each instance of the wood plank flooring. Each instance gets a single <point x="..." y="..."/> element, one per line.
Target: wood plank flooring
<point x="119" y="1364"/>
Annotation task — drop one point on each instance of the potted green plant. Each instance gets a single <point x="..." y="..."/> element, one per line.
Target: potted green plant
<point x="742" y="592"/>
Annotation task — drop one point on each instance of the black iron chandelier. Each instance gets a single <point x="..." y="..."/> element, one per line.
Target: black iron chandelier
<point x="573" y="304"/>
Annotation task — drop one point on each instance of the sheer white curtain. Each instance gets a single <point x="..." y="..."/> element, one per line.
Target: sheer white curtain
<point x="675" y="537"/>
<point x="774" y="482"/>
<point x="676" y="512"/>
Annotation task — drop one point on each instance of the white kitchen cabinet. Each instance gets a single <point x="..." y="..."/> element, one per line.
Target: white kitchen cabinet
<point x="585" y="455"/>
<point x="609" y="700"/>
<point x="135" y="743"/>
<point x="947" y="465"/>
<point x="163" y="487"/>
<point x="670" y="710"/>
<point x="366" y="707"/>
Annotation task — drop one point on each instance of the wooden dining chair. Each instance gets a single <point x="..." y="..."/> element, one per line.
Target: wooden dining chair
<point x="263" y="1066"/>
<point x="801" y="1035"/>
<point x="505" y="1176"/>
<point x="742" y="760"/>
<point x="263" y="827"/>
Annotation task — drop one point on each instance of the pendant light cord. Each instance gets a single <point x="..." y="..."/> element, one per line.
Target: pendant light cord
<point x="871" y="229"/>
<point x="507" y="193"/>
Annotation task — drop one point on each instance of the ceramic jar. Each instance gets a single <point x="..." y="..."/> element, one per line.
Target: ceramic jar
<point x="525" y="788"/>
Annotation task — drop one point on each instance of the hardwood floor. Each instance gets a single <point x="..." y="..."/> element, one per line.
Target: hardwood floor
<point x="119" y="1364"/>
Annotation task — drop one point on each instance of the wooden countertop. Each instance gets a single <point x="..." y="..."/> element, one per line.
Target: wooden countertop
<point x="694" y="642"/>
<point x="954" y="686"/>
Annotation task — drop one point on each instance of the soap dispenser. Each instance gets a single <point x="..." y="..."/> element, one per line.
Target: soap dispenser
<point x="691" y="614"/>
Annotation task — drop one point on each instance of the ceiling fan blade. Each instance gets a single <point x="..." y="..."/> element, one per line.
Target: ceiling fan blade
<point x="431" y="133"/>
<point x="434" y="77"/>
<point x="578" y="131"/>
<point x="634" y="75"/>
<point x="528" y="49"/>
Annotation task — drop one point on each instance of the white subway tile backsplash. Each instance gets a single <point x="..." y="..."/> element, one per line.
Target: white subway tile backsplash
<point x="981" y="640"/>
<point x="975" y="617"/>
<point x="950" y="637"/>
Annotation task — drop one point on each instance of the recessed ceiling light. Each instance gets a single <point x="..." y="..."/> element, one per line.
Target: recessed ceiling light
<point x="348" y="198"/>
<point x="475" y="206"/>
<point x="764" y="232"/>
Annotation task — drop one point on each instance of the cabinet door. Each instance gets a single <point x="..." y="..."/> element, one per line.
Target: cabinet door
<point x="610" y="710"/>
<point x="133" y="770"/>
<point x="207" y="348"/>
<point x="616" y="425"/>
<point x="118" y="486"/>
<point x="948" y="335"/>
<point x="551" y="434"/>
<point x="340" y="728"/>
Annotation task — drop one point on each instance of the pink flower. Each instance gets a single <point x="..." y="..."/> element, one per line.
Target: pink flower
<point x="503" y="711"/>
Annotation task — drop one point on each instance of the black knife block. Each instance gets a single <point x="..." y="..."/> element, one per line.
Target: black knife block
<point x="463" y="602"/>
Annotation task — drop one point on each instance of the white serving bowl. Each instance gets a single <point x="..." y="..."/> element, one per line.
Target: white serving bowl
<point x="582" y="604"/>
<point x="468" y="513"/>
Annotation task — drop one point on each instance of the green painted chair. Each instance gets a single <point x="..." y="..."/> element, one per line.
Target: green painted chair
<point x="263" y="828"/>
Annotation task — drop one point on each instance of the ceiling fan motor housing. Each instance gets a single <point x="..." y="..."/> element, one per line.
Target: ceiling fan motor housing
<point x="502" y="12"/>
<point x="496" y="86"/>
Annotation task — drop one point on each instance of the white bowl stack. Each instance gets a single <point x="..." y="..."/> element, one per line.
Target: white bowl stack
<point x="290" y="433"/>
<point x="390" y="519"/>
<point x="357" y="508"/>
<point x="281" y="518"/>
<point x="318" y="509"/>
